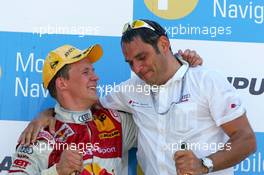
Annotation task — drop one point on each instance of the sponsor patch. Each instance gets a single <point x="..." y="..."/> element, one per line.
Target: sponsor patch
<point x="115" y="133"/>
<point x="95" y="168"/>
<point x="25" y="149"/>
<point x="22" y="156"/>
<point x="19" y="163"/>
<point x="103" y="122"/>
<point x="139" y="104"/>
<point x="85" y="117"/>
<point x="45" y="135"/>
<point x="185" y="98"/>
<point x="63" y="133"/>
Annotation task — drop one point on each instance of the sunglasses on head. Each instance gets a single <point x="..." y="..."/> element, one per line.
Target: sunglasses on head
<point x="137" y="24"/>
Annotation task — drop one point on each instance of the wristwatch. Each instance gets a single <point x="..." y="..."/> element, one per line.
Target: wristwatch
<point x="208" y="163"/>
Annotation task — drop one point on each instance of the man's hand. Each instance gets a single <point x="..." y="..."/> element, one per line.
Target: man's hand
<point x="191" y="57"/>
<point x="70" y="161"/>
<point x="188" y="164"/>
<point x="29" y="135"/>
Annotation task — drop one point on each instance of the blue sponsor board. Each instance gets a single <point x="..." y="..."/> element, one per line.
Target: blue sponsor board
<point x="254" y="164"/>
<point x="22" y="94"/>
<point x="222" y="20"/>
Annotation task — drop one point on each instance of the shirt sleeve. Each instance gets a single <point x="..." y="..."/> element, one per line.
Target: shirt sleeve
<point x="32" y="159"/>
<point x="118" y="99"/>
<point x="129" y="131"/>
<point x="224" y="102"/>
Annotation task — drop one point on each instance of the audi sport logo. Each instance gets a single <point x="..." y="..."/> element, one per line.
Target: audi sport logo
<point x="85" y="117"/>
<point x="25" y="149"/>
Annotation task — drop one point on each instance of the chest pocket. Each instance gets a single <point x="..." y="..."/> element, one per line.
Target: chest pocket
<point x="182" y="119"/>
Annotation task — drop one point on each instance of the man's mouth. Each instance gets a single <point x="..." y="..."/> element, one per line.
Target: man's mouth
<point x="92" y="88"/>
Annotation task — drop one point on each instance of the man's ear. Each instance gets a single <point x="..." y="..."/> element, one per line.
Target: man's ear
<point x="164" y="44"/>
<point x="61" y="83"/>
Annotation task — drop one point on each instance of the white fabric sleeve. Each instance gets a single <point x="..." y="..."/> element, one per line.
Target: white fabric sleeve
<point x="129" y="131"/>
<point x="117" y="99"/>
<point x="32" y="159"/>
<point x="224" y="102"/>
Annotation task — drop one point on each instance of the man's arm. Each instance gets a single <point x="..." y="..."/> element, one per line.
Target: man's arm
<point x="242" y="144"/>
<point x="129" y="131"/>
<point x="44" y="119"/>
<point x="227" y="111"/>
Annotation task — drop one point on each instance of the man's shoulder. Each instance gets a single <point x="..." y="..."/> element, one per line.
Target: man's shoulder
<point x="198" y="69"/>
<point x="203" y="72"/>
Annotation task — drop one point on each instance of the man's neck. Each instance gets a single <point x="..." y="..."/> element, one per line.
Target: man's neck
<point x="76" y="107"/>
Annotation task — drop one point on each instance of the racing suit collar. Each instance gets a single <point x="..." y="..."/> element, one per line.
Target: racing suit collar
<point x="68" y="116"/>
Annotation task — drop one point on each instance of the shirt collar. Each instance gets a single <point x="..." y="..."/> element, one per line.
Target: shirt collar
<point x="180" y="72"/>
<point x="72" y="116"/>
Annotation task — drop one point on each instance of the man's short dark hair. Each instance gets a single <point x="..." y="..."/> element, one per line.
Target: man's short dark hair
<point x="147" y="35"/>
<point x="64" y="73"/>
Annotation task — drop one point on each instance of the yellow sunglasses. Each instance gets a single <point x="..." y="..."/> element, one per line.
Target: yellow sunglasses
<point x="136" y="25"/>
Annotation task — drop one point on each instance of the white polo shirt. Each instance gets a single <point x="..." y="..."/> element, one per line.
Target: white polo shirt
<point x="165" y="120"/>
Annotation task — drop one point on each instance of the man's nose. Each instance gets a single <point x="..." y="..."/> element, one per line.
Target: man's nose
<point x="95" y="77"/>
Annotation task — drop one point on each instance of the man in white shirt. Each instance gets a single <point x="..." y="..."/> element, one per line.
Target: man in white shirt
<point x="182" y="105"/>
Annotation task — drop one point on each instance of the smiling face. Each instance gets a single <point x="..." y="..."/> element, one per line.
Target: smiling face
<point x="80" y="87"/>
<point x="149" y="64"/>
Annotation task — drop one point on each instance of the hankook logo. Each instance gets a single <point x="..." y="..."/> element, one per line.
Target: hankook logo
<point x="171" y="9"/>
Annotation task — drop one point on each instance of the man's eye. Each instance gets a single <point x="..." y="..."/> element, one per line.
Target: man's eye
<point x="141" y="58"/>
